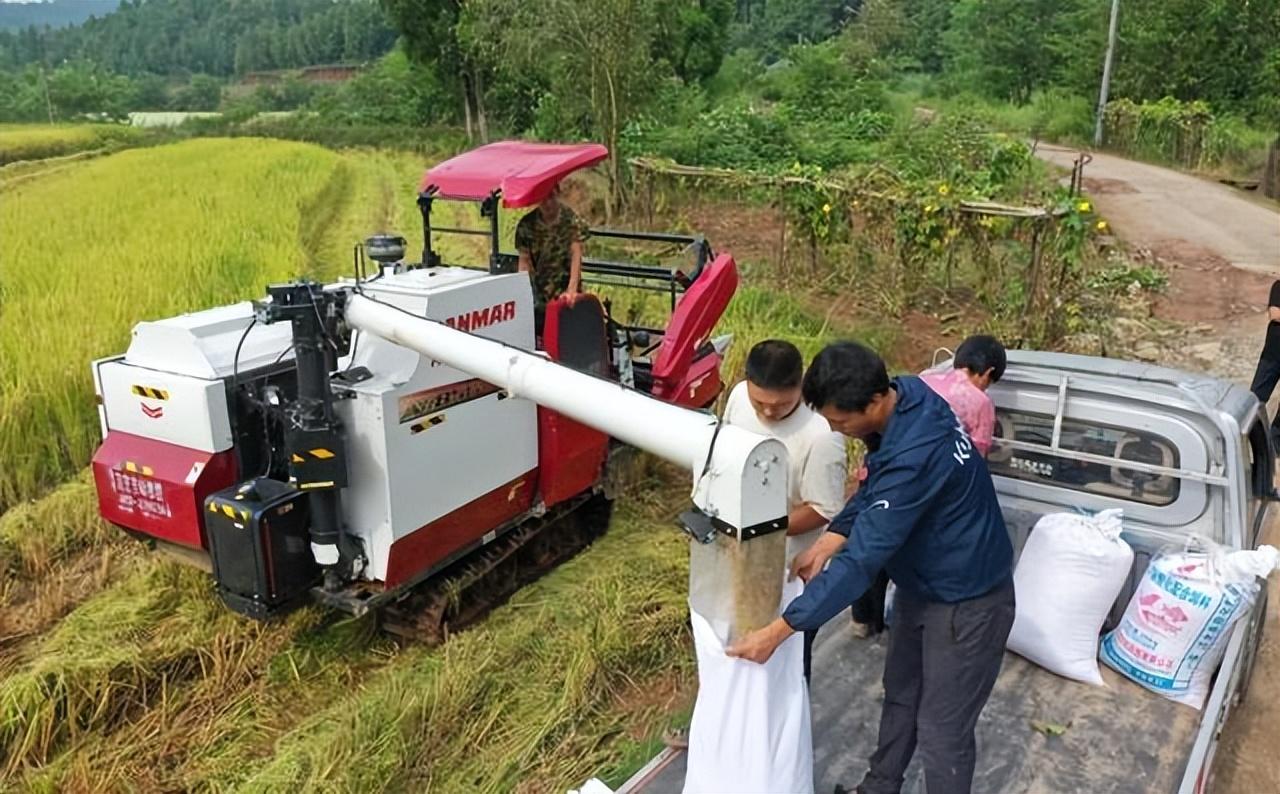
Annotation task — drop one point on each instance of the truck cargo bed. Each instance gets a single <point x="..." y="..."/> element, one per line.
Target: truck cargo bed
<point x="1117" y="739"/>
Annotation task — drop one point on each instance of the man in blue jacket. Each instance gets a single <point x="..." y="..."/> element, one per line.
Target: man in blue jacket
<point x="928" y="514"/>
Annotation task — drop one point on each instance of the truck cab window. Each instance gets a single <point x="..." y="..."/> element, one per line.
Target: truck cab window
<point x="1090" y="477"/>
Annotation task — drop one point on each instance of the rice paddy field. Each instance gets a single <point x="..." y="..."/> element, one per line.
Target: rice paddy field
<point x="22" y="142"/>
<point x="120" y="670"/>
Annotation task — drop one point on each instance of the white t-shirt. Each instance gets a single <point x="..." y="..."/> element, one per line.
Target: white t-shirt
<point x="818" y="463"/>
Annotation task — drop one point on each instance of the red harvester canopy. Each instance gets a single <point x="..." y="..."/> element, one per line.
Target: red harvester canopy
<point x="524" y="172"/>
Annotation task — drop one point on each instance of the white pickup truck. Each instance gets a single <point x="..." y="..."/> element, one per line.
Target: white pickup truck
<point x="1185" y="456"/>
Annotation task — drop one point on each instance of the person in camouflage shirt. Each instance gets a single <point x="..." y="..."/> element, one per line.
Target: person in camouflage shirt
<point x="549" y="240"/>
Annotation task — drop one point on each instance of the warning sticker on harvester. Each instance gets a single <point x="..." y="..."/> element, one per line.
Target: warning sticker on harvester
<point x="137" y="494"/>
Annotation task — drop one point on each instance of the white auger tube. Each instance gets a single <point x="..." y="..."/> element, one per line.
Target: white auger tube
<point x="739" y="477"/>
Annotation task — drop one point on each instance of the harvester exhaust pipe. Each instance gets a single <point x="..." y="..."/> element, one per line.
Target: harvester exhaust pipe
<point x="739" y="478"/>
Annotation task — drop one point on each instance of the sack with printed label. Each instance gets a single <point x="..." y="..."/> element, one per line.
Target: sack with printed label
<point x="1179" y="620"/>
<point x="1068" y="576"/>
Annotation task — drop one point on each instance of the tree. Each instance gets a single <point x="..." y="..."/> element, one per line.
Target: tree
<point x="216" y="37"/>
<point x="877" y="35"/>
<point x="776" y="25"/>
<point x="1212" y="50"/>
<point x="430" y="31"/>
<point x="394" y="91"/>
<point x="594" y="56"/>
<point x="925" y="22"/>
<point x="1004" y="48"/>
<point x="693" y="35"/>
<point x="203" y="93"/>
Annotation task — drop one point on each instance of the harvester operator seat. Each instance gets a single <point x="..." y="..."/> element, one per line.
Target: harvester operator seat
<point x="677" y="374"/>
<point x="574" y="334"/>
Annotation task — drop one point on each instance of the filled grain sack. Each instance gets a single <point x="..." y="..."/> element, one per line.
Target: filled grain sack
<point x="1069" y="575"/>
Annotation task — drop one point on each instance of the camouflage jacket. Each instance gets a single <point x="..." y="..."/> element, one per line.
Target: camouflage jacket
<point x="548" y="245"/>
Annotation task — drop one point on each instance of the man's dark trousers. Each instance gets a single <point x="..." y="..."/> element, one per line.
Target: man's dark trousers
<point x="942" y="662"/>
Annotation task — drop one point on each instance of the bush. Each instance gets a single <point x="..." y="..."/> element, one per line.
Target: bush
<point x="820" y="106"/>
<point x="1061" y="116"/>
<point x="1123" y="277"/>
<point x="1233" y="145"/>
<point x="1187" y="134"/>
<point x="315" y="128"/>
<point x="203" y="93"/>
<point x="1054" y="115"/>
<point x="960" y="154"/>
<point x="740" y="69"/>
<point x="394" y="92"/>
<point x="728" y="136"/>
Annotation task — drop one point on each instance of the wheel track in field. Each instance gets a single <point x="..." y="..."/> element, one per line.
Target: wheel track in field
<point x="318" y="217"/>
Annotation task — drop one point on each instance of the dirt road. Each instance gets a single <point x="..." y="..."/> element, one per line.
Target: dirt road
<point x="1221" y="250"/>
<point x="1149" y="206"/>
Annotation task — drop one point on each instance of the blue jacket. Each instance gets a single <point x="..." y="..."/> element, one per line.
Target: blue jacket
<point x="927" y="514"/>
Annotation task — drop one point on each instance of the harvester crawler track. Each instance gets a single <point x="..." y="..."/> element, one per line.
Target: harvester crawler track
<point x="466" y="591"/>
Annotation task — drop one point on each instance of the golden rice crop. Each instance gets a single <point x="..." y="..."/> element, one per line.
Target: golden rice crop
<point x="37" y="141"/>
<point x="143" y="234"/>
<point x="153" y="684"/>
<point x="35" y="535"/>
<point x="159" y="748"/>
<point x="149" y="233"/>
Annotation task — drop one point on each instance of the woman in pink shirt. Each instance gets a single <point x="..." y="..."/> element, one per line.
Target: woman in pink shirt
<point x="979" y="362"/>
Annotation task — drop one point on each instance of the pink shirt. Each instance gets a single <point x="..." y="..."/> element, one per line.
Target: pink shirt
<point x="972" y="405"/>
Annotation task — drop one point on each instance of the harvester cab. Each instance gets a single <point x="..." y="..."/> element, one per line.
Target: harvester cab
<point x="679" y="363"/>
<point x="399" y="442"/>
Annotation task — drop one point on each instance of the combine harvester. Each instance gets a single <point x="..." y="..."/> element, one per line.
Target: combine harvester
<point x="400" y="442"/>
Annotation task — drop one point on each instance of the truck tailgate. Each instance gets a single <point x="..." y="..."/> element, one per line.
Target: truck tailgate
<point x="1120" y="739"/>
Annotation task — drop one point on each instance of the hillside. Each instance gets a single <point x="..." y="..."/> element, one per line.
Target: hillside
<point x="215" y="37"/>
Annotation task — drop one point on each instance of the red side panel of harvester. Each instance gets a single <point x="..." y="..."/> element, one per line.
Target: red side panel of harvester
<point x="158" y="489"/>
<point x="571" y="455"/>
<point x="428" y="546"/>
